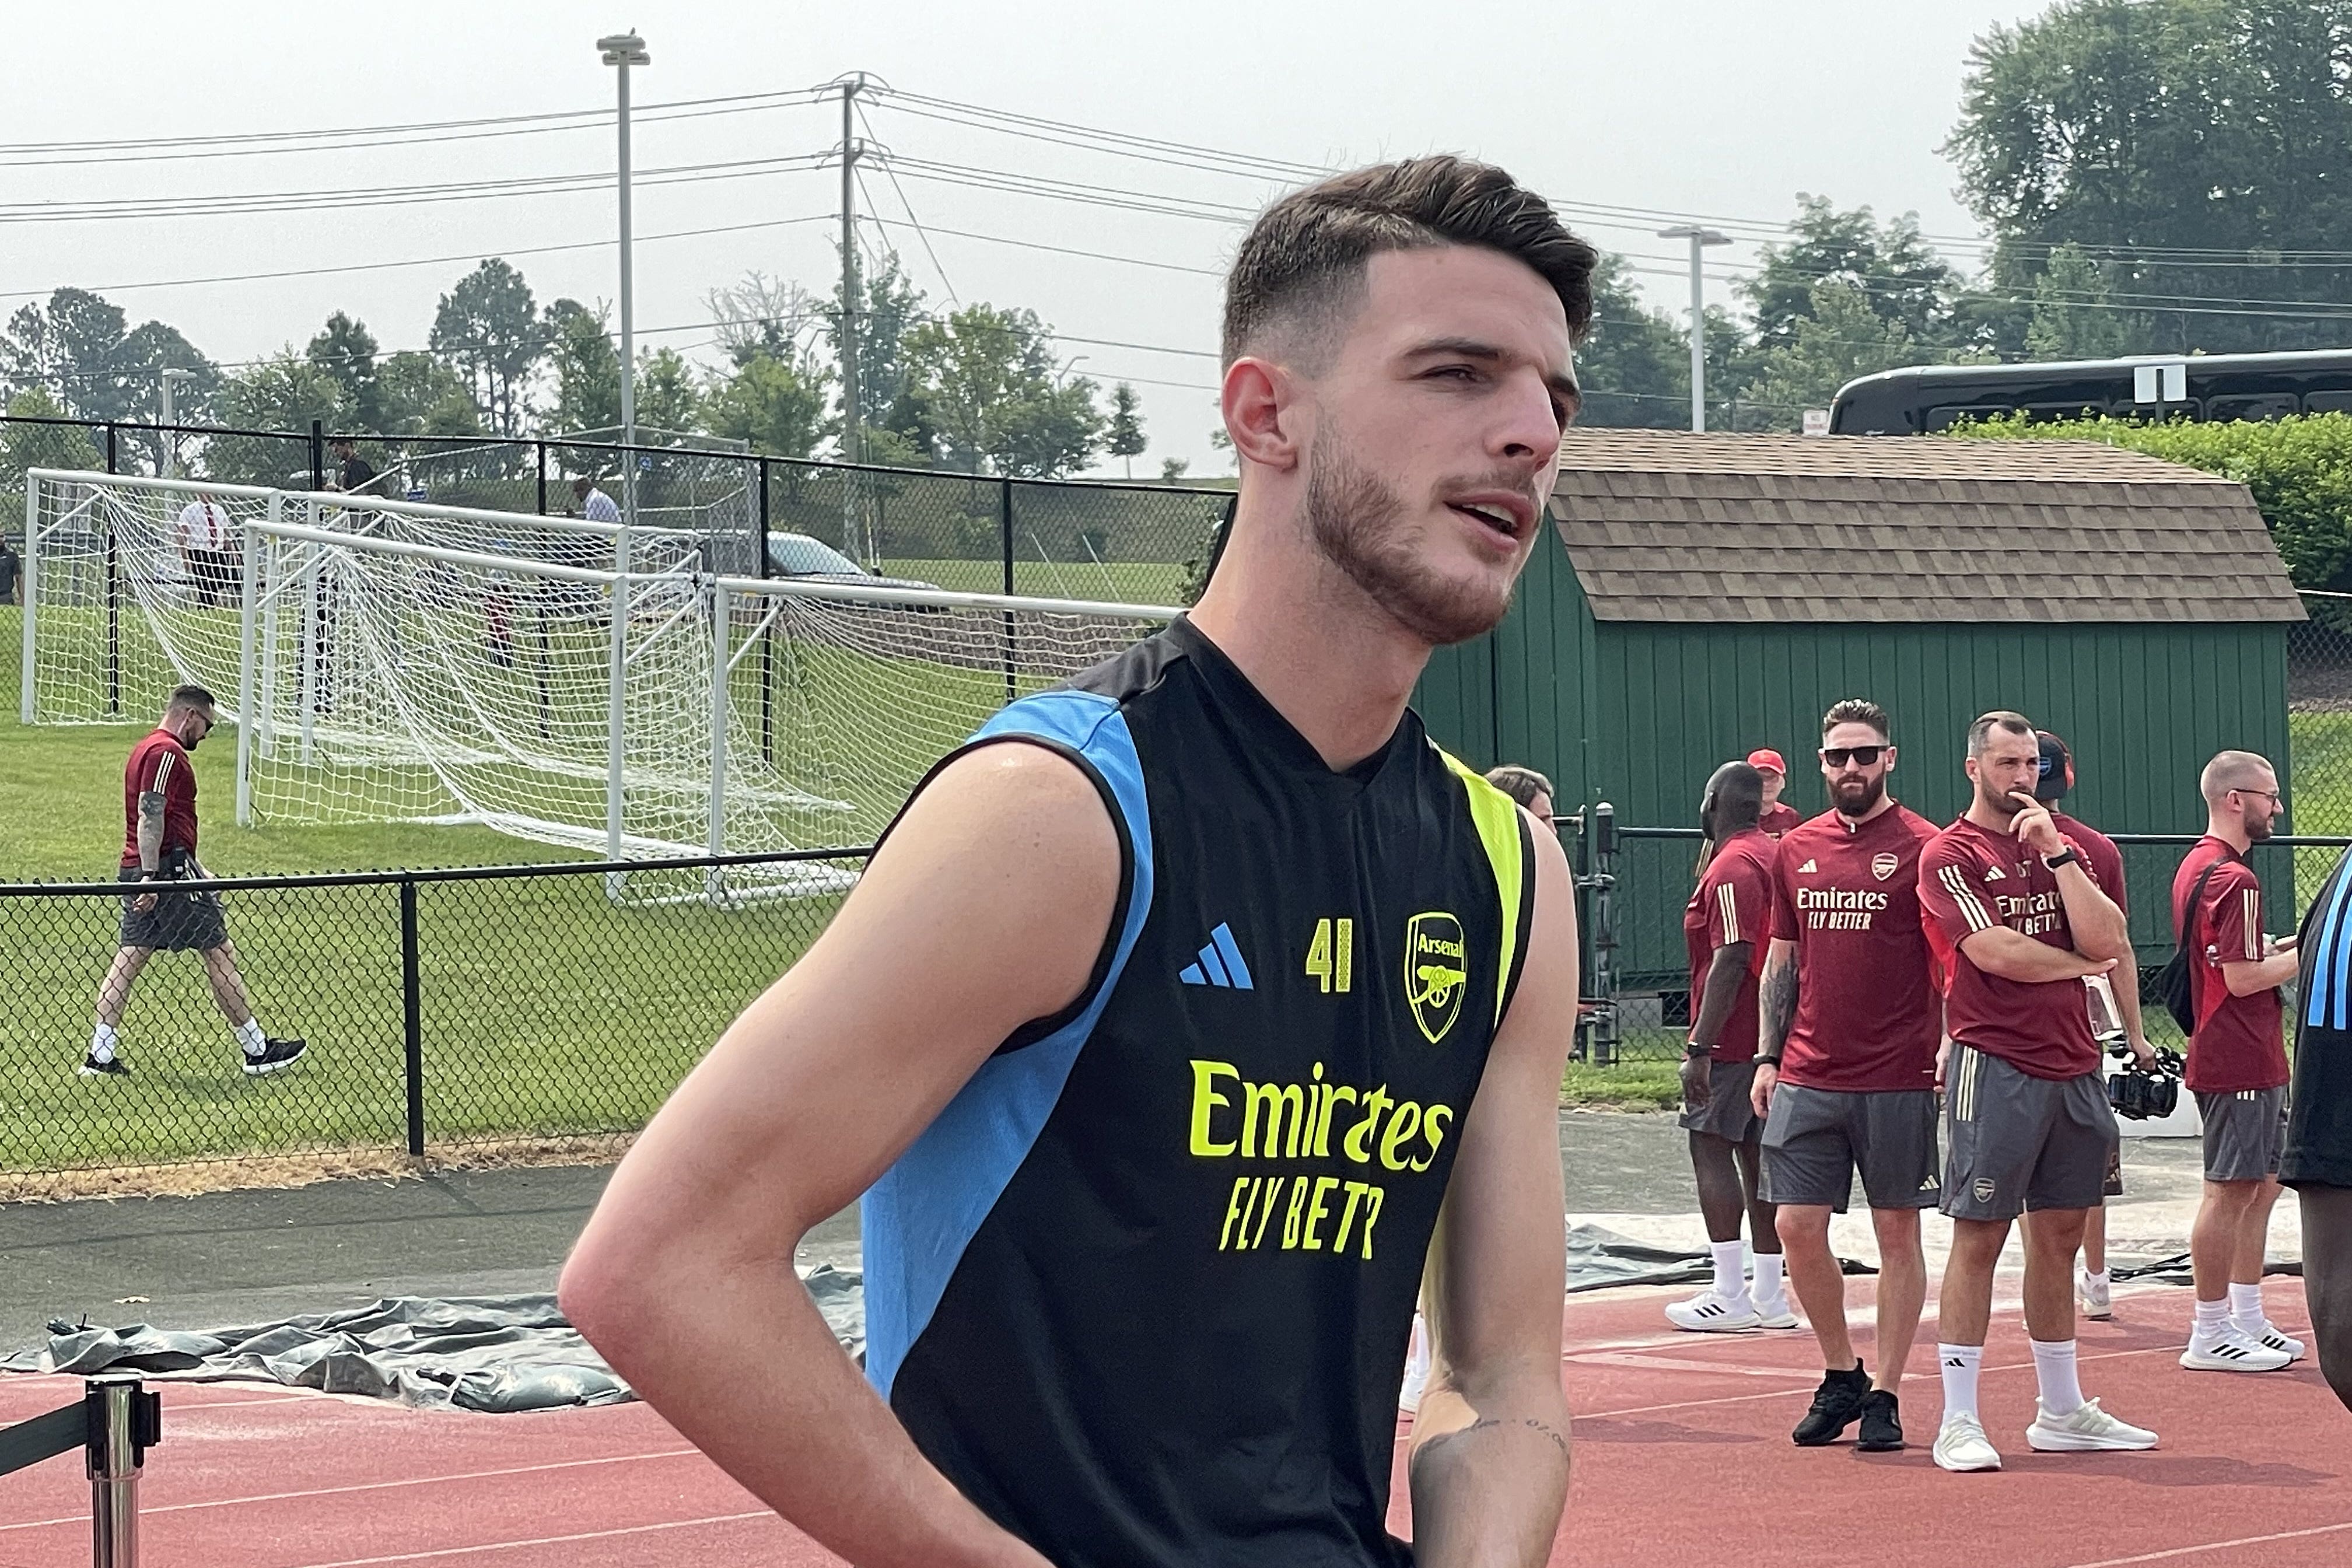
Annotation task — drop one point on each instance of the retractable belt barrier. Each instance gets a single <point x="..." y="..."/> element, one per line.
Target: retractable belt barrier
<point x="114" y="1423"/>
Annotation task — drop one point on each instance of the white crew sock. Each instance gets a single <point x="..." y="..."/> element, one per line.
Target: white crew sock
<point x="249" y="1035"/>
<point x="102" y="1041"/>
<point x="1960" y="1364"/>
<point x="2095" y="1280"/>
<point x="1768" y="1277"/>
<point x="2246" y="1308"/>
<point x="1730" y="1281"/>
<point x="2053" y="1369"/>
<point x="2212" y="1320"/>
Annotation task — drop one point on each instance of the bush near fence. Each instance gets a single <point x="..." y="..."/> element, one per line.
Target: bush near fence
<point x="444" y="1008"/>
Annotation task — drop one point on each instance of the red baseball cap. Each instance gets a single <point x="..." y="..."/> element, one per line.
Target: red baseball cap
<point x="1766" y="757"/>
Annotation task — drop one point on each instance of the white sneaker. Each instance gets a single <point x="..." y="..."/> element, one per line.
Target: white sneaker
<point x="2092" y="1298"/>
<point x="1710" y="1313"/>
<point x="1962" y="1445"/>
<point x="1773" y="1312"/>
<point x="2272" y="1337"/>
<point x="2088" y="1429"/>
<point x="2230" y="1351"/>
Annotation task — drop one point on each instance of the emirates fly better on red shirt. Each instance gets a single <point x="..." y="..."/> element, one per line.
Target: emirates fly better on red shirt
<point x="1972" y="879"/>
<point x="1868" y="1012"/>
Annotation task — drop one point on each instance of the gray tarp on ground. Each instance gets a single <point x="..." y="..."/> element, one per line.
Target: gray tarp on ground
<point x="486" y="1354"/>
<point x="1601" y="1260"/>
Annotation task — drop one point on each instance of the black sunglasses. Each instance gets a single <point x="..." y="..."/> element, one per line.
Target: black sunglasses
<point x="1835" y="756"/>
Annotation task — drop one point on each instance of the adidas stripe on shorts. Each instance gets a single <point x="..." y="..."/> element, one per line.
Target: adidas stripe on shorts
<point x="2245" y="1133"/>
<point x="1815" y="1139"/>
<point x="2020" y="1143"/>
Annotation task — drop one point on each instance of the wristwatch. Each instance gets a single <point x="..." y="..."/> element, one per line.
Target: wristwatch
<point x="1765" y="1061"/>
<point x="1692" y="1050"/>
<point x="2064" y="856"/>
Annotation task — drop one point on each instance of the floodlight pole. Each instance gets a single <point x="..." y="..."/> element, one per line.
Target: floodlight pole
<point x="622" y="51"/>
<point x="1700" y="238"/>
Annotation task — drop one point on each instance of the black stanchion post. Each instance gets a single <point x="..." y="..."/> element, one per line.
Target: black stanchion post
<point x="767" y="635"/>
<point x="318" y="455"/>
<point x="124" y="1422"/>
<point x="411" y="1018"/>
<point x="1004" y="536"/>
<point x="1605" y="1034"/>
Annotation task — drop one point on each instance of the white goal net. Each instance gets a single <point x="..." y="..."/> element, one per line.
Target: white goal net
<point x="583" y="684"/>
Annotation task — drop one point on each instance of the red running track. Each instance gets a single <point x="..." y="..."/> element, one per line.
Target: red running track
<point x="1682" y="1454"/>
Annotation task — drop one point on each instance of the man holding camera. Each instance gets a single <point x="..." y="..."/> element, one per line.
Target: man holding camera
<point x="2237" y="1066"/>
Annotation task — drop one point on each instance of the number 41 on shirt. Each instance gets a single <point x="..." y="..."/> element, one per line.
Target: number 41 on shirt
<point x="1331" y="954"/>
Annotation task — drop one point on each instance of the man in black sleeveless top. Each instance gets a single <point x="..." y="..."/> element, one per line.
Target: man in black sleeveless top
<point x="1191" y="1021"/>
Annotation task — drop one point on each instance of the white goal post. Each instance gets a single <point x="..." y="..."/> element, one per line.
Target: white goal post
<point x="583" y="684"/>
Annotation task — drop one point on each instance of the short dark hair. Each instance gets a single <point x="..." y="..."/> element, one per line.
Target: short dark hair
<point x="1522" y="784"/>
<point x="1858" y="711"/>
<point x="1999" y="718"/>
<point x="1307" y="253"/>
<point x="189" y="697"/>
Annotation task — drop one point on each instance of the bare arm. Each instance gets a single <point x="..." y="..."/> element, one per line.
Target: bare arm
<point x="151" y="831"/>
<point x="986" y="909"/>
<point x="2096" y="920"/>
<point x="2246" y="978"/>
<point x="1775" y="1012"/>
<point x="1724" y="973"/>
<point x="1489" y="1460"/>
<point x="2013" y="955"/>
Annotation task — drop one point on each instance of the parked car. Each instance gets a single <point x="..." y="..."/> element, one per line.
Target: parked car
<point x="812" y="560"/>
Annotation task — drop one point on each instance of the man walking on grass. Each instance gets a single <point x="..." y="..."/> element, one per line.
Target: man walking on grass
<point x="159" y="808"/>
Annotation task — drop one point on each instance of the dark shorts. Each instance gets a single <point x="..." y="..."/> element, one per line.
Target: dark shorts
<point x="2112" y="1187"/>
<point x="1815" y="1139"/>
<point x="1726" y="1113"/>
<point x="2245" y="1133"/>
<point x="180" y="923"/>
<point x="2019" y="1143"/>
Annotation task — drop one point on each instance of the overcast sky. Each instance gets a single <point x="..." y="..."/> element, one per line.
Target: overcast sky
<point x="1722" y="109"/>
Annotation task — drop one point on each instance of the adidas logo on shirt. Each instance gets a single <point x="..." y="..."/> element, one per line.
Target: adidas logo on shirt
<point x="1219" y="964"/>
<point x="1995" y="874"/>
<point x="1808" y="866"/>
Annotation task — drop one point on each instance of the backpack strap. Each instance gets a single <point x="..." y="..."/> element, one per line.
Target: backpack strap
<point x="2186" y="927"/>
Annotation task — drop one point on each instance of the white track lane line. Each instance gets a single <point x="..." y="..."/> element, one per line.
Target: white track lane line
<point x="2216" y="1546"/>
<point x="367" y="1487"/>
<point x="540" y="1541"/>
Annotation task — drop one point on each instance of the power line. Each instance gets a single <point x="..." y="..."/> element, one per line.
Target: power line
<point x="945" y="282"/>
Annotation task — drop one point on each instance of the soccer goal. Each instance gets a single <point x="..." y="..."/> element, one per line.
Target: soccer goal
<point x="583" y="684"/>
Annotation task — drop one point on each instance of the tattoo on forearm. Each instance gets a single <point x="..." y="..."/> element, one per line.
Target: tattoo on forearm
<point x="1558" y="1439"/>
<point x="1780" y="1009"/>
<point x="150" y="827"/>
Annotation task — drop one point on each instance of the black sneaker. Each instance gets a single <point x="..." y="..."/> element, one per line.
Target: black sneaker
<point x="1836" y="1405"/>
<point x="112" y="1066"/>
<point x="275" y="1055"/>
<point x="1882" y="1422"/>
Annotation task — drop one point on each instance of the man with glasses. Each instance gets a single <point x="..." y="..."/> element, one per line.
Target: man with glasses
<point x="2237" y="1066"/>
<point x="159" y="808"/>
<point x="1850" y="1016"/>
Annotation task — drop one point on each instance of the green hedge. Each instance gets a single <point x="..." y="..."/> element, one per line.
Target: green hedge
<point x="2299" y="470"/>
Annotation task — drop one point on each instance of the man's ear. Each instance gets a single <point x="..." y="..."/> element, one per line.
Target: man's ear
<point x="1261" y="403"/>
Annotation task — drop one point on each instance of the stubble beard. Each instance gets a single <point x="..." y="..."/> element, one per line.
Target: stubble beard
<point x="1358" y="523"/>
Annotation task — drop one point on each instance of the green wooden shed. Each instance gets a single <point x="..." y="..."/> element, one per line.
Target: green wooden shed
<point x="1698" y="596"/>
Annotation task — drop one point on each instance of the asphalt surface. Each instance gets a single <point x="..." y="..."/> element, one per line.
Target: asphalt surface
<point x="254" y="1256"/>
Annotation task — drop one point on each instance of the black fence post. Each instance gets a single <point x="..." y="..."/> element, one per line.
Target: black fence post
<point x="1004" y="536"/>
<point x="767" y="635"/>
<point x="411" y="1018"/>
<point x="318" y="455"/>
<point x="1606" y="1025"/>
<point x="541" y="445"/>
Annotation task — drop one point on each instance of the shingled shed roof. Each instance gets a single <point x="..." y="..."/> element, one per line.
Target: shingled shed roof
<point x="1666" y="526"/>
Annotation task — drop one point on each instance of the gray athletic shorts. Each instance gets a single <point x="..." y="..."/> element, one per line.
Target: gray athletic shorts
<point x="1815" y="1139"/>
<point x="1727" y="1112"/>
<point x="180" y="923"/>
<point x="2245" y="1133"/>
<point x="2021" y="1142"/>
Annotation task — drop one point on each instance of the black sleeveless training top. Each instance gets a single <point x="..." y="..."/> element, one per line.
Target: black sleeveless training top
<point x="1142" y="1290"/>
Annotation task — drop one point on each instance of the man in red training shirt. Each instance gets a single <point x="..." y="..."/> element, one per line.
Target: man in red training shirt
<point x="2028" y="1125"/>
<point x="1724" y="929"/>
<point x="2237" y="1066"/>
<point x="1778" y="817"/>
<point x="159" y="845"/>
<point x="1845" y="1065"/>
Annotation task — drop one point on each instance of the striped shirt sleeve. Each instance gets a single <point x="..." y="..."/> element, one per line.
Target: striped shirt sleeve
<point x="1949" y="895"/>
<point x="2233" y="916"/>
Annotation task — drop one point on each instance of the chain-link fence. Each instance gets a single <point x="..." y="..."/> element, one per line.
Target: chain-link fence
<point x="1118" y="542"/>
<point x="443" y="1008"/>
<point x="1635" y="952"/>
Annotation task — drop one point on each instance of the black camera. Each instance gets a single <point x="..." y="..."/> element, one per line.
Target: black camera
<point x="2140" y="1093"/>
